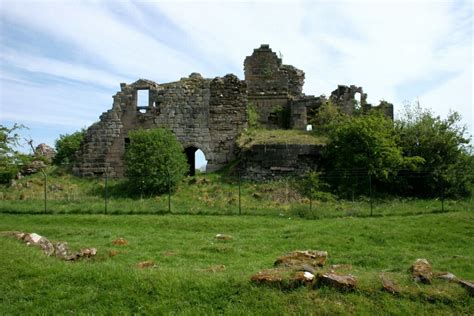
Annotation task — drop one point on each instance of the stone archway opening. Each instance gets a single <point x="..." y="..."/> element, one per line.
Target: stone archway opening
<point x="196" y="160"/>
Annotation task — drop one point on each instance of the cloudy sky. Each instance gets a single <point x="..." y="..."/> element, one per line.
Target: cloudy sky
<point x="61" y="61"/>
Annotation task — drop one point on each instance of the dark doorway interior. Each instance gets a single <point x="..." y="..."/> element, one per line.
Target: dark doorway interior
<point x="190" y="154"/>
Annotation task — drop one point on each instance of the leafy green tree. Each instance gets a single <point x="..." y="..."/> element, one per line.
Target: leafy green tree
<point x="444" y="146"/>
<point x="10" y="159"/>
<point x="66" y="147"/>
<point x="326" y="117"/>
<point x="154" y="159"/>
<point x="364" y="146"/>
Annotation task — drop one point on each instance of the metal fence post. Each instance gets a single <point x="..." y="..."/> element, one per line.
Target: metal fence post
<point x="169" y="192"/>
<point x="370" y="190"/>
<point x="442" y="195"/>
<point x="240" y="205"/>
<point x="106" y="195"/>
<point x="45" y="184"/>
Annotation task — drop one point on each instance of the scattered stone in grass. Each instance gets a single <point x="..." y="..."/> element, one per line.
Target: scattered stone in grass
<point x="389" y="285"/>
<point x="448" y="276"/>
<point x="268" y="277"/>
<point x="341" y="282"/>
<point x="146" y="264"/>
<point x="61" y="249"/>
<point x="335" y="267"/>
<point x="421" y="271"/>
<point x="113" y="253"/>
<point x="38" y="241"/>
<point x="223" y="237"/>
<point x="468" y="285"/>
<point x="216" y="268"/>
<point x="120" y="242"/>
<point x="283" y="278"/>
<point x="83" y="253"/>
<point x="298" y="258"/>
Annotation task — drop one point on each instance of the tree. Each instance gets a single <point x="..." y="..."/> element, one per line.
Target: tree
<point x="361" y="147"/>
<point x="154" y="160"/>
<point x="444" y="146"/>
<point x="66" y="147"/>
<point x="10" y="159"/>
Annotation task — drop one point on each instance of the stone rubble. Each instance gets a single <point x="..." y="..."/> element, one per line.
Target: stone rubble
<point x="422" y="271"/>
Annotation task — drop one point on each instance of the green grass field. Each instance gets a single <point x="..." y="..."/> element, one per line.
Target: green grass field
<point x="185" y="251"/>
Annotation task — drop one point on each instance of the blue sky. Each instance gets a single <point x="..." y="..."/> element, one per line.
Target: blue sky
<point x="61" y="61"/>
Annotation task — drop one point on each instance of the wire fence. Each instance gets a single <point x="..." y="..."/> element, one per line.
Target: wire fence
<point x="363" y="195"/>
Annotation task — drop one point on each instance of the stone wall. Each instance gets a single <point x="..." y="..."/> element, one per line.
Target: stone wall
<point x="209" y="114"/>
<point x="270" y="84"/>
<point x="269" y="162"/>
<point x="202" y="113"/>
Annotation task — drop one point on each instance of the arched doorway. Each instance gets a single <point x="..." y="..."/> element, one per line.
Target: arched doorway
<point x="196" y="160"/>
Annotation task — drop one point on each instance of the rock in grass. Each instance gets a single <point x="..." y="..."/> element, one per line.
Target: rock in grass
<point x="38" y="241"/>
<point x="283" y="278"/>
<point x="341" y="282"/>
<point x="120" y="242"/>
<point x="146" y="264"/>
<point x="468" y="285"/>
<point x="61" y="249"/>
<point x="223" y="237"/>
<point x="389" y="285"/>
<point x="83" y="253"/>
<point x="448" y="276"/>
<point x="300" y="258"/>
<point x="421" y="271"/>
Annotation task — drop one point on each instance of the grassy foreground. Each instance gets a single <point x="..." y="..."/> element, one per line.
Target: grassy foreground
<point x="197" y="274"/>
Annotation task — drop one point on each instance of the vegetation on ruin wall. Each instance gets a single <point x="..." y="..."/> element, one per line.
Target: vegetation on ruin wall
<point x="196" y="274"/>
<point x="66" y="147"/>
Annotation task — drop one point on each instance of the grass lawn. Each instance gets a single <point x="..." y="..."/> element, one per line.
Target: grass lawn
<point x="197" y="274"/>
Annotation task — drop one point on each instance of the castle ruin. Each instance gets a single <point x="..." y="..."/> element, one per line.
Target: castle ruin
<point x="208" y="114"/>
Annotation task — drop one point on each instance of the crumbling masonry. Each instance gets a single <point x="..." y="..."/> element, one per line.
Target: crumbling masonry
<point x="209" y="114"/>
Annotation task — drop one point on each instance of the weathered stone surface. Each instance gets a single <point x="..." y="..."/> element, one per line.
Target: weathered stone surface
<point x="209" y="114"/>
<point x="421" y="271"/>
<point x="448" y="276"/>
<point x="39" y="241"/>
<point x="120" y="242"/>
<point x="45" y="151"/>
<point x="146" y="264"/>
<point x="299" y="258"/>
<point x="223" y="237"/>
<point x="342" y="282"/>
<point x="389" y="285"/>
<point x="61" y="249"/>
<point x="283" y="278"/>
<point x="468" y="285"/>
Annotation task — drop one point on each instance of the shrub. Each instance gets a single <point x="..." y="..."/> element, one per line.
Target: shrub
<point x="66" y="147"/>
<point x="154" y="159"/>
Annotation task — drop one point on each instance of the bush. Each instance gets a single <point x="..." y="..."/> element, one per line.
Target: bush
<point x="154" y="159"/>
<point x="66" y="147"/>
<point x="444" y="146"/>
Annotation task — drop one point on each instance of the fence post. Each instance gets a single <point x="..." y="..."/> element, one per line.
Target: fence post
<point x="442" y="195"/>
<point x="370" y="198"/>
<point x="240" y="205"/>
<point x="169" y="192"/>
<point x="45" y="184"/>
<point x="106" y="195"/>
